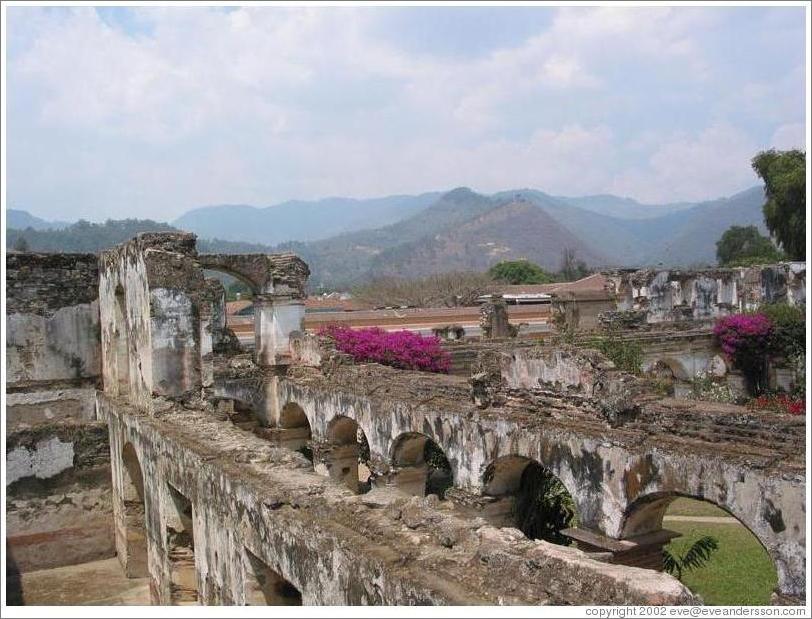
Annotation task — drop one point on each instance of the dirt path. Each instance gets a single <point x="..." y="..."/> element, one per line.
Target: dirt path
<point x="708" y="519"/>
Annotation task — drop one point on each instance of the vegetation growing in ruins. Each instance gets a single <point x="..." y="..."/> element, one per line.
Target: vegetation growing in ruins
<point x="784" y="176"/>
<point x="739" y="572"/>
<point x="697" y="555"/>
<point x="779" y="403"/>
<point x="708" y="389"/>
<point x="627" y="355"/>
<point x="519" y="272"/>
<point x="745" y="246"/>
<point x="543" y="506"/>
<point x="454" y="289"/>
<point x="745" y="339"/>
<point x="400" y="349"/>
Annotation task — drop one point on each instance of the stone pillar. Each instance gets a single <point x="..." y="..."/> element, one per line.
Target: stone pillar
<point x="493" y="319"/>
<point x="275" y="318"/>
<point x="410" y="479"/>
<point x="339" y="462"/>
<point x="644" y="551"/>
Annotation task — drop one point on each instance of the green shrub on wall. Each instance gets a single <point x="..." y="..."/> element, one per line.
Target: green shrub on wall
<point x="626" y="355"/>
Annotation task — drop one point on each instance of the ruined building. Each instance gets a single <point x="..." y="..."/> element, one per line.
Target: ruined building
<point x="138" y="429"/>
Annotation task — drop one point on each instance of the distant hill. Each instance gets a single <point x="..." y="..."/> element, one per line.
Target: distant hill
<point x="435" y="232"/>
<point x="299" y="220"/>
<point x="461" y="230"/>
<point x="624" y="208"/>
<point x="21" y="220"/>
<point x="89" y="237"/>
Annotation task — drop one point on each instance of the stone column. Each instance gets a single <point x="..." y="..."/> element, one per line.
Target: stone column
<point x="339" y="462"/>
<point x="275" y="318"/>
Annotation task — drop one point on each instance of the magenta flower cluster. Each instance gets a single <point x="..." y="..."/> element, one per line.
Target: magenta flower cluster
<point x="399" y="349"/>
<point x="743" y="335"/>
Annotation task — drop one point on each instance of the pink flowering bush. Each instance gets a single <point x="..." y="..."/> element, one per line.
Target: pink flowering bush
<point x="745" y="339"/>
<point x="399" y="349"/>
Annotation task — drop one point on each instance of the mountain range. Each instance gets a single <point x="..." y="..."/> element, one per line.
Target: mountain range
<point x="347" y="241"/>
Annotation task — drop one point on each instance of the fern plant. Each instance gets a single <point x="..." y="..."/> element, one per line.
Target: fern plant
<point x="697" y="555"/>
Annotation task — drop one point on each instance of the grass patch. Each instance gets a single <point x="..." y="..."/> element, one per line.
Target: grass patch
<point x="739" y="573"/>
<point x="692" y="507"/>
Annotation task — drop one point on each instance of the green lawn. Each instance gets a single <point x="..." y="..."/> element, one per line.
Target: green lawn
<point x="692" y="507"/>
<point x="740" y="572"/>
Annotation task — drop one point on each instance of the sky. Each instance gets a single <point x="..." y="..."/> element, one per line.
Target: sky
<point x="149" y="112"/>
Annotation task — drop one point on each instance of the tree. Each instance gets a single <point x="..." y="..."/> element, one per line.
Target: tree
<point x="784" y="176"/>
<point x="571" y="267"/>
<point x="543" y="506"/>
<point x="745" y="245"/>
<point x="20" y="244"/>
<point x="519" y="272"/>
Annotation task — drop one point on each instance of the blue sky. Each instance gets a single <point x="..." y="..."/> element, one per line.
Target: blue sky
<point x="147" y="112"/>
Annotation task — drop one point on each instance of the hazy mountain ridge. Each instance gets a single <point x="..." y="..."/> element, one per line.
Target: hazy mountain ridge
<point x="465" y="230"/>
<point x="300" y="220"/>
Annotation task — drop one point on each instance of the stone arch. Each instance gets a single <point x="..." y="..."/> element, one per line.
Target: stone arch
<point x="530" y="497"/>
<point x="237" y="274"/>
<point x="345" y="453"/>
<point x="134" y="515"/>
<point x="644" y="517"/>
<point x="420" y="466"/>
<point x="296" y="432"/>
<point x="677" y="368"/>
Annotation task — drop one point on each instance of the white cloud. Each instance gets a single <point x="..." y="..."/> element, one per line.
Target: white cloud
<point x="684" y="167"/>
<point x="262" y="104"/>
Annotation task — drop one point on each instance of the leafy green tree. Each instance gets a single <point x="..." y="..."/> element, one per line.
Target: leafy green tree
<point x="784" y="176"/>
<point x="519" y="272"/>
<point x="745" y="245"/>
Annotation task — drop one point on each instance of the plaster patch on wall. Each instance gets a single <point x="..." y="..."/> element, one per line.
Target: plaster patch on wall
<point x="49" y="458"/>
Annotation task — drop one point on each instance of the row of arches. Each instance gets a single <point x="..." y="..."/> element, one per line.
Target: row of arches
<point x="527" y="495"/>
<point x="263" y="584"/>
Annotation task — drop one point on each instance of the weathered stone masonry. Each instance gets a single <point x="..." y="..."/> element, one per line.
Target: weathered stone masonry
<point x="212" y="503"/>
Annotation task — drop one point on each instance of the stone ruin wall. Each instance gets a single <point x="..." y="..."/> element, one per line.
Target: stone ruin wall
<point x="209" y="510"/>
<point x="649" y="297"/>
<point x="59" y="507"/>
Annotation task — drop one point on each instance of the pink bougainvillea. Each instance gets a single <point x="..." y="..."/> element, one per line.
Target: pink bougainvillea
<point x="745" y="339"/>
<point x="399" y="349"/>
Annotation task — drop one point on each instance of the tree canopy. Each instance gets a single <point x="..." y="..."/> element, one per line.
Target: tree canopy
<point x="519" y="272"/>
<point x="784" y="176"/>
<point x="745" y="245"/>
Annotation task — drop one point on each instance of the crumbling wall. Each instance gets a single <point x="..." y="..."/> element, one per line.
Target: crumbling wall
<point x="704" y="295"/>
<point x="57" y="461"/>
<point x="606" y="471"/>
<point x="333" y="546"/>
<point x="52" y="320"/>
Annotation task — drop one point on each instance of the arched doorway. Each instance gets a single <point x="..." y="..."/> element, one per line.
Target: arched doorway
<point x="533" y="499"/>
<point x="265" y="586"/>
<point x="714" y="554"/>
<point x="421" y="466"/>
<point x="135" y="533"/>
<point x="346" y="456"/>
<point x="296" y="433"/>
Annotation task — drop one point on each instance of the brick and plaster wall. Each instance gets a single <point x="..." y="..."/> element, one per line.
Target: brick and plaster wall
<point x="59" y="507"/>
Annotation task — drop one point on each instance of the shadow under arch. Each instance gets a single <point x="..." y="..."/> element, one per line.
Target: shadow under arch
<point x="533" y="499"/>
<point x="297" y="434"/>
<point x="421" y="466"/>
<point x="348" y="458"/>
<point x="135" y="534"/>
